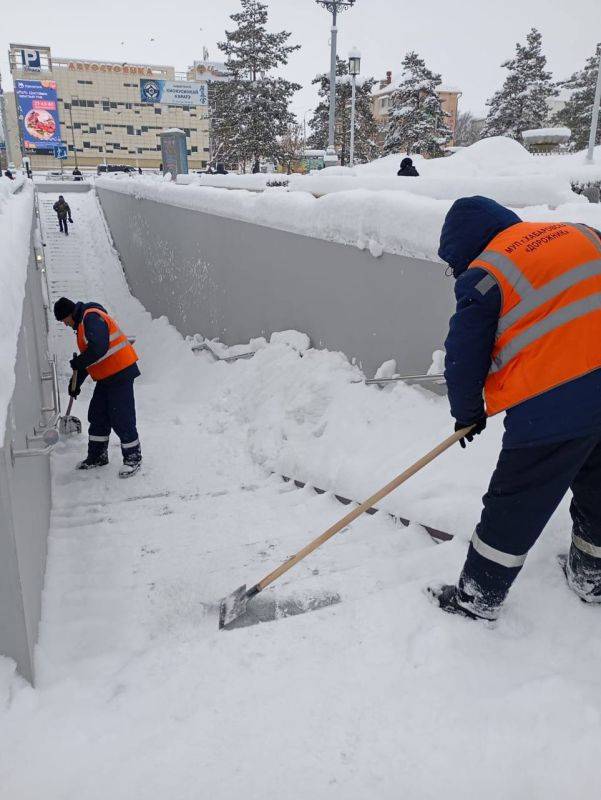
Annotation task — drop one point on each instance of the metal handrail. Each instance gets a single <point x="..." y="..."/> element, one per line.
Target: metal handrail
<point x="438" y="378"/>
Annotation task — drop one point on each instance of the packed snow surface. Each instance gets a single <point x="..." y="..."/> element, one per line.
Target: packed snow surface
<point x="380" y="696"/>
<point x="16" y="207"/>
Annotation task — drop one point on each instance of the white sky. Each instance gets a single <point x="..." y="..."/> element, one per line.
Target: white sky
<point x="465" y="40"/>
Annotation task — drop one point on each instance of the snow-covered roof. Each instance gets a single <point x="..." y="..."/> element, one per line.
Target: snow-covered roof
<point x="543" y="135"/>
<point x="379" y="91"/>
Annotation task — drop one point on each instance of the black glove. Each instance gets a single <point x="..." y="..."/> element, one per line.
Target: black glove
<point x="477" y="426"/>
<point x="74" y="363"/>
<point x="74" y="392"/>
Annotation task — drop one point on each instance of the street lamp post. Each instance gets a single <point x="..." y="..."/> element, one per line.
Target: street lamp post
<point x="595" y="117"/>
<point x="354" y="68"/>
<point x="334" y="7"/>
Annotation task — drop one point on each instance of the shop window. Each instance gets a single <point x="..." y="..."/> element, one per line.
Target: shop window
<point x="130" y="130"/>
<point x="157" y="110"/>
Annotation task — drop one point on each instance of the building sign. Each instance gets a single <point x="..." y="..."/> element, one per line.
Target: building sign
<point x="122" y="69"/>
<point x="30" y="59"/>
<point x="173" y="93"/>
<point x="211" y="71"/>
<point x="38" y="114"/>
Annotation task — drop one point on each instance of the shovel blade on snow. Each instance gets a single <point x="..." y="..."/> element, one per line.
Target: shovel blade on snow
<point x="233" y="606"/>
<point x="68" y="426"/>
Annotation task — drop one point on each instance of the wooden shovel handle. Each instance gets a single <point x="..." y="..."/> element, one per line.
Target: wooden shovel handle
<point x="356" y="512"/>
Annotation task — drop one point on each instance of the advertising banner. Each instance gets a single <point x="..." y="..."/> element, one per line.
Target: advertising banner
<point x="173" y="93"/>
<point x="38" y="114"/>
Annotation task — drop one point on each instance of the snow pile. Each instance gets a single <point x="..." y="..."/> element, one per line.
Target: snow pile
<point x="399" y="222"/>
<point x="392" y="222"/>
<point x="16" y="206"/>
<point x="497" y="167"/>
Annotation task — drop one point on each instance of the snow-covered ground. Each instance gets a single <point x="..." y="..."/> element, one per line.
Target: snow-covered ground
<point x="370" y="207"/>
<point x="379" y="696"/>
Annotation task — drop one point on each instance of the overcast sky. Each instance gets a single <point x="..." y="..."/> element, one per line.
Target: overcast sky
<point x="465" y="40"/>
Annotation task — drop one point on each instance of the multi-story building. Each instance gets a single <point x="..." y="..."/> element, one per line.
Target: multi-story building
<point x="103" y="116"/>
<point x="381" y="98"/>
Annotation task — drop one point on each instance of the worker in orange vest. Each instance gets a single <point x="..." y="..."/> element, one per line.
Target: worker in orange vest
<point x="526" y="340"/>
<point x="108" y="357"/>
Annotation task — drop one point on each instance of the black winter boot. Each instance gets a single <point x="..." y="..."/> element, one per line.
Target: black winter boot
<point x="454" y="601"/>
<point x="91" y="462"/>
<point x="583" y="574"/>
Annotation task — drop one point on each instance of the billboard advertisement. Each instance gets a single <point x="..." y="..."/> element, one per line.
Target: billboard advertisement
<point x="38" y="114"/>
<point x="173" y="93"/>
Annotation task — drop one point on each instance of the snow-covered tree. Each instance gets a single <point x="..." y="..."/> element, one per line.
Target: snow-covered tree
<point x="417" y="120"/>
<point x="468" y="129"/>
<point x="521" y="104"/>
<point x="250" y="112"/>
<point x="292" y="146"/>
<point x="366" y="131"/>
<point x="577" y="112"/>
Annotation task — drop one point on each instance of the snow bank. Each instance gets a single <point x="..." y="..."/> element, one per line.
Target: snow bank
<point x="395" y="222"/>
<point x="16" y="206"/>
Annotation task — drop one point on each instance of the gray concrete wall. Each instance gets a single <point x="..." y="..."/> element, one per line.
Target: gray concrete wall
<point x="235" y="280"/>
<point x="25" y="487"/>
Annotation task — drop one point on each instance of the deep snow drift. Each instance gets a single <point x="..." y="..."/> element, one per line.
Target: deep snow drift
<point x="380" y="696"/>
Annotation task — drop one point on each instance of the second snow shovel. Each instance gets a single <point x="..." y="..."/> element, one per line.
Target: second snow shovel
<point x="69" y="425"/>
<point x="234" y="605"/>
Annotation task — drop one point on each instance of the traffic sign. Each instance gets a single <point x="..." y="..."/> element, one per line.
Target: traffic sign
<point x="60" y="151"/>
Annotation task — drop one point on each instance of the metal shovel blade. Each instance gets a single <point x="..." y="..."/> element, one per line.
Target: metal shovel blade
<point x="68" y="426"/>
<point x="233" y="606"/>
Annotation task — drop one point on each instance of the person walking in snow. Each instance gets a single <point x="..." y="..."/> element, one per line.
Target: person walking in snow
<point x="106" y="355"/>
<point x="526" y="340"/>
<point x="63" y="212"/>
<point x="407" y="169"/>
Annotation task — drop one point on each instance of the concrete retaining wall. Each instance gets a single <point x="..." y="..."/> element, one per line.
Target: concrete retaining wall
<point x="234" y="280"/>
<point x="25" y="486"/>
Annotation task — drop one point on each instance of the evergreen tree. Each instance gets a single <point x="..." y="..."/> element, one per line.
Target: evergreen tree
<point x="468" y="129"/>
<point x="250" y="112"/>
<point x="521" y="104"/>
<point x="578" y="110"/>
<point x="366" y="131"/>
<point x="417" y="121"/>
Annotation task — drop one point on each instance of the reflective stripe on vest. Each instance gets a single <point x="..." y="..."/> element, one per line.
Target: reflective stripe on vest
<point x="119" y="355"/>
<point x="498" y="556"/>
<point x="549" y="329"/>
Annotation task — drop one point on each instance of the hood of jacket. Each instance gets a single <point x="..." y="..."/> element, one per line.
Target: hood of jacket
<point x="470" y="225"/>
<point x="80" y="308"/>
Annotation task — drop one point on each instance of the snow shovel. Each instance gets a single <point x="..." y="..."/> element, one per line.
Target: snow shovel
<point x="69" y="425"/>
<point x="234" y="605"/>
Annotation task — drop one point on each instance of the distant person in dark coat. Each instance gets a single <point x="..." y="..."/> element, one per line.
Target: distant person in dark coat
<point x="9" y="174"/>
<point x="77" y="174"/>
<point x="256" y="167"/>
<point x="407" y="169"/>
<point x="63" y="212"/>
<point x="221" y="170"/>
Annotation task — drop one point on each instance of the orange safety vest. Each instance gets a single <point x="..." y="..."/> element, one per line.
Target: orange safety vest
<point x="120" y="354"/>
<point x="549" y="329"/>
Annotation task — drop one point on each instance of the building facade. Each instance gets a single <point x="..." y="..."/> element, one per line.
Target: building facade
<point x="103" y="116"/>
<point x="381" y="99"/>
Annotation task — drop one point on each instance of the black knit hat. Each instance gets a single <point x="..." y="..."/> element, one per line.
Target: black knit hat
<point x="63" y="308"/>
